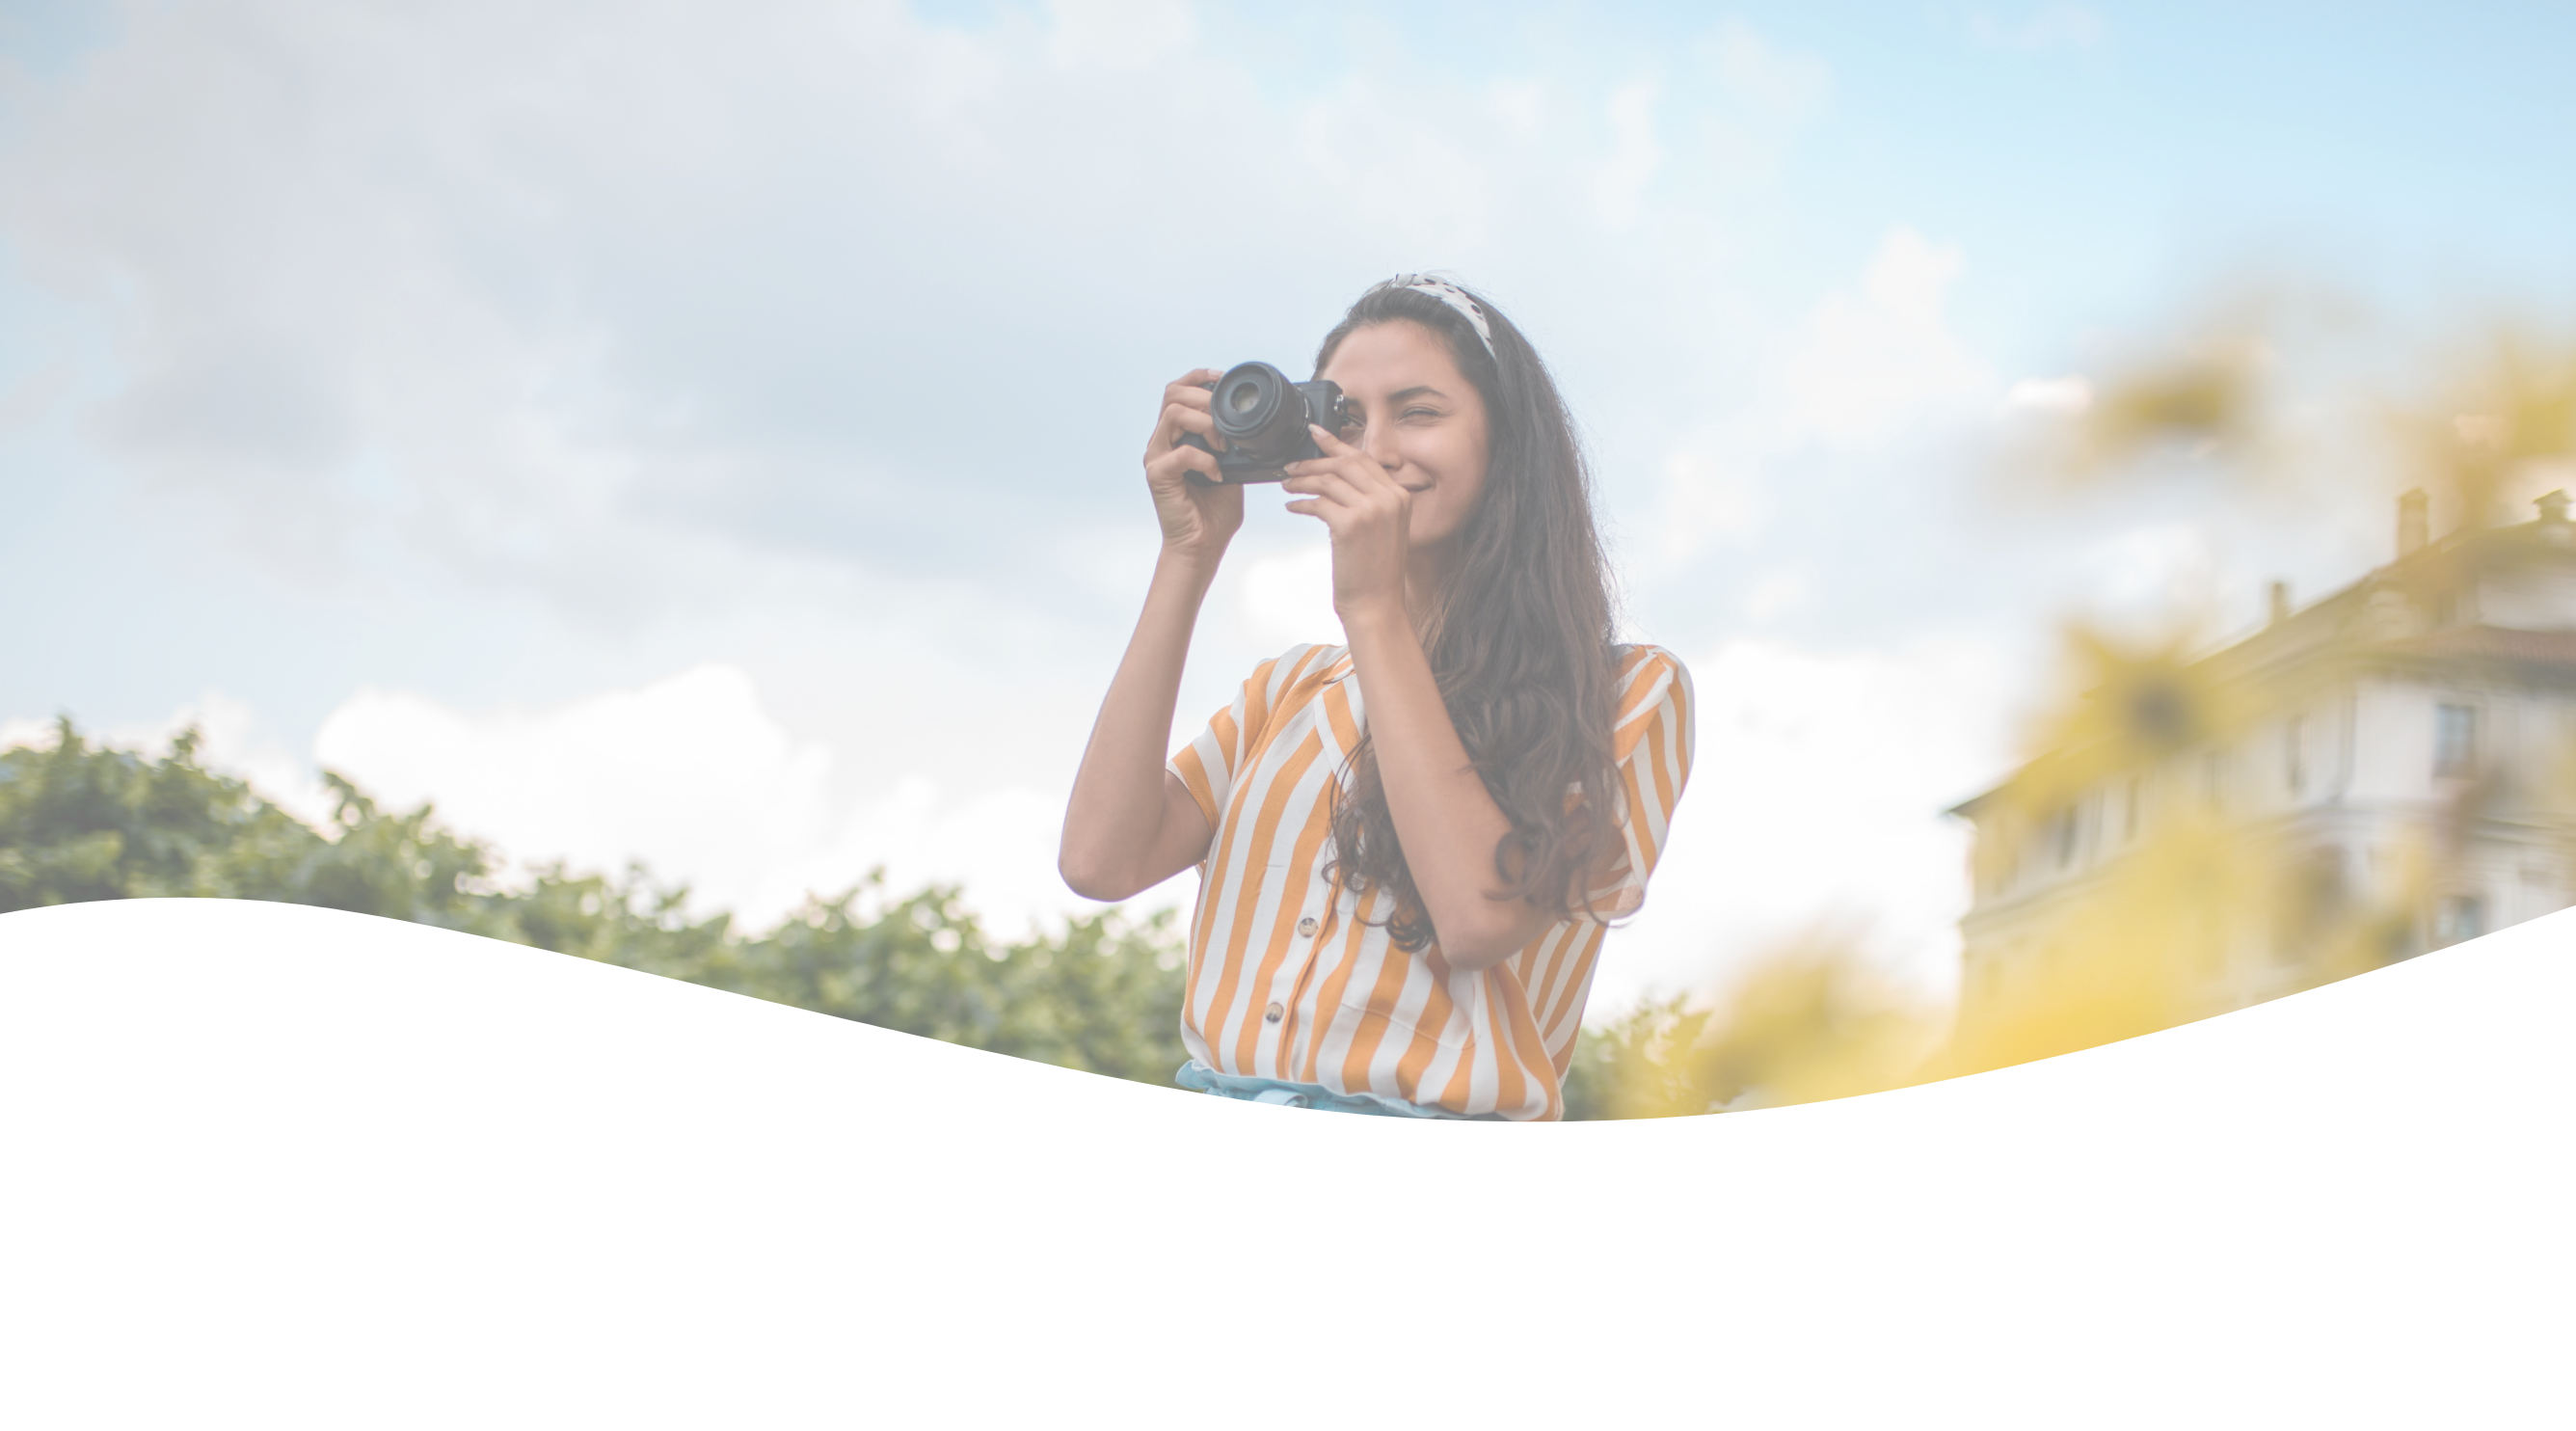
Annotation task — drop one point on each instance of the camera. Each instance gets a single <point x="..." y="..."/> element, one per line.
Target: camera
<point x="1262" y="417"/>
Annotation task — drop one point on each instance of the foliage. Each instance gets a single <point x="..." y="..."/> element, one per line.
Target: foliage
<point x="1640" y="1064"/>
<point x="2128" y="947"/>
<point x="2133" y="947"/>
<point x="1810" y="1021"/>
<point x="79" y="823"/>
<point x="1104" y="996"/>
<point x="2511" y="410"/>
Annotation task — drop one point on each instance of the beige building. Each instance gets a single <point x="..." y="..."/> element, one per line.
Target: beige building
<point x="2394" y="758"/>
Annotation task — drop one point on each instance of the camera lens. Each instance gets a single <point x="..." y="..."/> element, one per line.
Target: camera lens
<point x="1259" y="412"/>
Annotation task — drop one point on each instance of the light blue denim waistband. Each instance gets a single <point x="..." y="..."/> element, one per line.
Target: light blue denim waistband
<point x="1251" y="1089"/>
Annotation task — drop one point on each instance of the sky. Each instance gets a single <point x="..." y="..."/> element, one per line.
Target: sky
<point x="707" y="434"/>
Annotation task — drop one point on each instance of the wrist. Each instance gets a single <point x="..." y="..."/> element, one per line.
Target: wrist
<point x="1375" y="622"/>
<point x="1195" y="564"/>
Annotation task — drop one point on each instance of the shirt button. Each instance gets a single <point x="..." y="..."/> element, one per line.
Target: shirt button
<point x="1271" y="1014"/>
<point x="1306" y="925"/>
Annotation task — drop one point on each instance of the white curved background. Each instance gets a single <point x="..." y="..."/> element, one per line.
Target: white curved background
<point x="278" y="1166"/>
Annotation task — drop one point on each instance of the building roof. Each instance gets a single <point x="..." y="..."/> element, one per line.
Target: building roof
<point x="2550" y="648"/>
<point x="2381" y="618"/>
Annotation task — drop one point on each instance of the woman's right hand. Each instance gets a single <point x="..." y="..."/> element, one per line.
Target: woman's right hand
<point x="1198" y="517"/>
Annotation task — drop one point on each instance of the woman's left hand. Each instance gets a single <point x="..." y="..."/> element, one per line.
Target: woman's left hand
<point x="1367" y="511"/>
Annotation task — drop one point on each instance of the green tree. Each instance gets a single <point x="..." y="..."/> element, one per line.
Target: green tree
<point x="79" y="822"/>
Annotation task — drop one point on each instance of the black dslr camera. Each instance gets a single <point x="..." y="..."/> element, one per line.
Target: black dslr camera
<point x="1262" y="417"/>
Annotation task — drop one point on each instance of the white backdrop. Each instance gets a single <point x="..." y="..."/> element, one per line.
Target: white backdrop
<point x="289" y="1167"/>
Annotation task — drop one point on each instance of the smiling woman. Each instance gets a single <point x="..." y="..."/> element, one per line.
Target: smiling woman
<point x="1401" y="899"/>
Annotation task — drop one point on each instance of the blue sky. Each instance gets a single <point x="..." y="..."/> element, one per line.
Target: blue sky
<point x="432" y="391"/>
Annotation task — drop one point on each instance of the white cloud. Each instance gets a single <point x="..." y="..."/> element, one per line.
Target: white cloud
<point x="1818" y="795"/>
<point x="1287" y="598"/>
<point x="1866" y="363"/>
<point x="999" y="845"/>
<point x="688" y="774"/>
<point x="2049" y="396"/>
<point x="694" y="777"/>
<point x="1865" y="367"/>
<point x="1711" y="493"/>
<point x="613" y="304"/>
<point x="232" y="738"/>
<point x="29" y="734"/>
<point x="1775" y="595"/>
<point x="2146" y="578"/>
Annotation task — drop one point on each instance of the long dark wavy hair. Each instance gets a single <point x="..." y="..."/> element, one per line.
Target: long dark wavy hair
<point x="1520" y="642"/>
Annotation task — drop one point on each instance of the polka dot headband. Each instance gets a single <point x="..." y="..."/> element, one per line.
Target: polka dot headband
<point x="1452" y="295"/>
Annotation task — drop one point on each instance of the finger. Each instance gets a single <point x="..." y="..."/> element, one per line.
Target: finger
<point x="1180" y="460"/>
<point x="1331" y="442"/>
<point x="1361" y="467"/>
<point x="1364" y="469"/>
<point x="1177" y="421"/>
<point x="1334" y="482"/>
<point x="1180" y="417"/>
<point x="1192" y="388"/>
<point x="1369" y="487"/>
<point x="1182" y="394"/>
<point x="1348" y="460"/>
<point x="1310" y="467"/>
<point x="1322" y="487"/>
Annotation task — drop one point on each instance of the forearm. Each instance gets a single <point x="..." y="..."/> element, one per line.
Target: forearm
<point x="1114" y="824"/>
<point x="1445" y="819"/>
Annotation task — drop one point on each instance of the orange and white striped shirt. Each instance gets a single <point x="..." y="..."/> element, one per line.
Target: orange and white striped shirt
<point x="1294" y="979"/>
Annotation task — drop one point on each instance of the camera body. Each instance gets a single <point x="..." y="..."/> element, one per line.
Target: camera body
<point x="1262" y="417"/>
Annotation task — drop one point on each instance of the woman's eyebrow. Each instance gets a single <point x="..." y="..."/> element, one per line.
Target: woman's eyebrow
<point x="1424" y="390"/>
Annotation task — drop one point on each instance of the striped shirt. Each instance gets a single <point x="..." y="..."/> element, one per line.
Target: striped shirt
<point x="1295" y="979"/>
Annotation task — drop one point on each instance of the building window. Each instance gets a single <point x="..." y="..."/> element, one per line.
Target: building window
<point x="2459" y="917"/>
<point x="2135" y="795"/>
<point x="2294" y="755"/>
<point x="2061" y="837"/>
<point x="2455" y="742"/>
<point x="2213" y="781"/>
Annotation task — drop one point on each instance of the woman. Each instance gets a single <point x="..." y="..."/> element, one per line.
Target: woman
<point x="1401" y="898"/>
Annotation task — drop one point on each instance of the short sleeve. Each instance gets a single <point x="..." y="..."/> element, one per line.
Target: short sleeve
<point x="1651" y="740"/>
<point x="1209" y="764"/>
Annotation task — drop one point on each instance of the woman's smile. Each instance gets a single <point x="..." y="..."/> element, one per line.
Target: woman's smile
<point x="1420" y="418"/>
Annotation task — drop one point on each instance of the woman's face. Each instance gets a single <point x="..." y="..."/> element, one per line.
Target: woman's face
<point x="1419" y="418"/>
